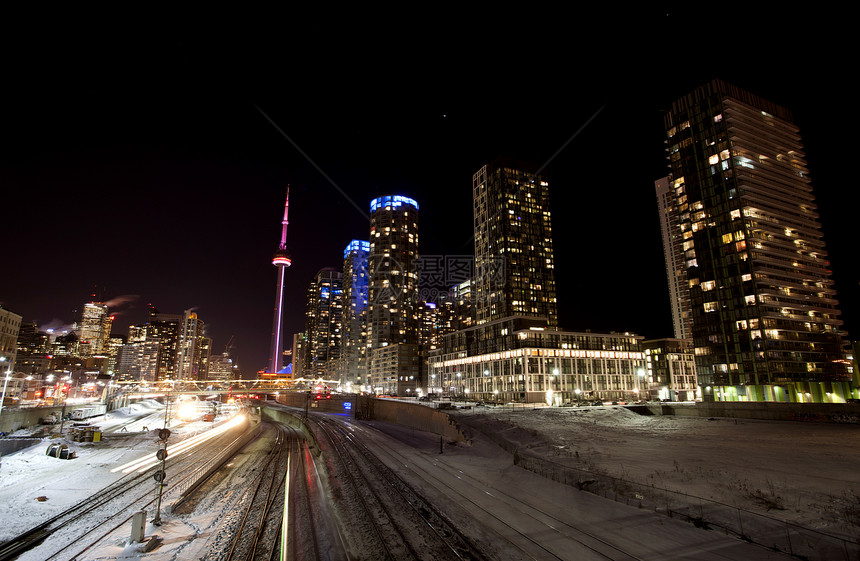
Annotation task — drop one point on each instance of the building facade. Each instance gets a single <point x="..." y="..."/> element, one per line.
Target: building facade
<point x="673" y="254"/>
<point x="356" y="278"/>
<point x="10" y="325"/>
<point x="514" y="262"/>
<point x="95" y="329"/>
<point x="393" y="295"/>
<point x="530" y="363"/>
<point x="671" y="373"/>
<point x="765" y="317"/>
<point x="324" y="323"/>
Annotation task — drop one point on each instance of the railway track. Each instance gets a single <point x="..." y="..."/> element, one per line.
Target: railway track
<point x="559" y="537"/>
<point x="388" y="519"/>
<point x="87" y="523"/>
<point x="256" y="535"/>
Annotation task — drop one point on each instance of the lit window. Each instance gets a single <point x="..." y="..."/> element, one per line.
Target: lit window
<point x="708" y="285"/>
<point x="710" y="306"/>
<point x="715" y="159"/>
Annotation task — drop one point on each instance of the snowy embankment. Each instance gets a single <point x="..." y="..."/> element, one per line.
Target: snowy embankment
<point x="800" y="473"/>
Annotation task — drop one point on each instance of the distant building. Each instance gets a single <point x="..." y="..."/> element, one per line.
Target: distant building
<point x="221" y="368"/>
<point x="138" y="361"/>
<point x="183" y="346"/>
<point x="765" y="315"/>
<point x="324" y="323"/>
<point x="95" y="329"/>
<point x="192" y="362"/>
<point x="356" y="279"/>
<point x="33" y="356"/>
<point x="300" y="349"/>
<point x="165" y="329"/>
<point x="514" y="262"/>
<point x="10" y="325"/>
<point x="392" y="295"/>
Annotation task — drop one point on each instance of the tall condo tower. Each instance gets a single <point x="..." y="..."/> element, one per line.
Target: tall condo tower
<point x="514" y="263"/>
<point x="95" y="328"/>
<point x="765" y="317"/>
<point x="355" y="286"/>
<point x="392" y="324"/>
<point x="281" y="260"/>
<point x="676" y="272"/>
<point x="324" y="323"/>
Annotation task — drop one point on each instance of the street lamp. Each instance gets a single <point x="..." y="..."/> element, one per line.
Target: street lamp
<point x="640" y="380"/>
<point x="5" y="382"/>
<point x="577" y="391"/>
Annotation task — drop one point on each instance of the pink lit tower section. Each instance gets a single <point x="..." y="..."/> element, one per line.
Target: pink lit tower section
<point x="281" y="260"/>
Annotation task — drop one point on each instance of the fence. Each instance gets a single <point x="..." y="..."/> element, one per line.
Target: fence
<point x="779" y="535"/>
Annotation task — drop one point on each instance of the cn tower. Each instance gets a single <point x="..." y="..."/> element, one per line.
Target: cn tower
<point x="281" y="260"/>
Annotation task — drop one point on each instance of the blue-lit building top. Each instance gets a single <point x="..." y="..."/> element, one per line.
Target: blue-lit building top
<point x="356" y="245"/>
<point x="393" y="201"/>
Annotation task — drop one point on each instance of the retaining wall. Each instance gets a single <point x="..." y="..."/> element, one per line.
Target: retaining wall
<point x="848" y="413"/>
<point x="409" y="414"/>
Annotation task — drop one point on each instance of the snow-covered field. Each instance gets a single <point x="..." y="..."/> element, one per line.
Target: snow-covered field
<point x="805" y="473"/>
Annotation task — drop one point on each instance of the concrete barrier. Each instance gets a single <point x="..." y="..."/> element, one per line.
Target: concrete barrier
<point x="406" y="413"/>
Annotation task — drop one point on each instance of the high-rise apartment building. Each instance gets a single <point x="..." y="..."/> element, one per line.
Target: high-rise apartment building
<point x="393" y="294"/>
<point x="324" y="323"/>
<point x="514" y="263"/>
<point x="95" y="329"/>
<point x="300" y="351"/>
<point x="164" y="329"/>
<point x="193" y="349"/>
<point x="137" y="361"/>
<point x="676" y="270"/>
<point x="10" y="325"/>
<point x="355" y="289"/>
<point x="765" y="318"/>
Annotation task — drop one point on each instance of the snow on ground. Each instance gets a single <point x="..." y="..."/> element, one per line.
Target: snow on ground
<point x="804" y="473"/>
<point x="809" y="470"/>
<point x="34" y="487"/>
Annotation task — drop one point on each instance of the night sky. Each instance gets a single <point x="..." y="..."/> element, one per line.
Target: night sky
<point x="146" y="162"/>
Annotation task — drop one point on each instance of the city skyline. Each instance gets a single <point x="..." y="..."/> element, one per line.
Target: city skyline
<point x="209" y="168"/>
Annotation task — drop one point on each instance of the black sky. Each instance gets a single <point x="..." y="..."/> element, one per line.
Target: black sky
<point x="139" y="160"/>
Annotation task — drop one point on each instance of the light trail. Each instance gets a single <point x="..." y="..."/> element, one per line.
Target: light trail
<point x="143" y="464"/>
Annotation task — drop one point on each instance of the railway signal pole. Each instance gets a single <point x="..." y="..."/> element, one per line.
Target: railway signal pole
<point x="163" y="435"/>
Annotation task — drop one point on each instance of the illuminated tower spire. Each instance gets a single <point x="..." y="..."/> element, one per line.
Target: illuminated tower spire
<point x="281" y="260"/>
